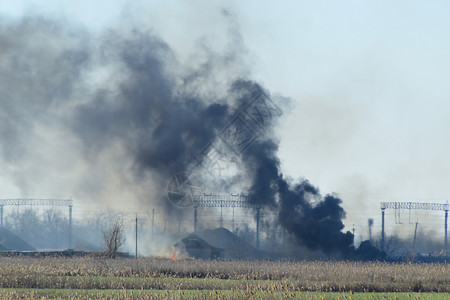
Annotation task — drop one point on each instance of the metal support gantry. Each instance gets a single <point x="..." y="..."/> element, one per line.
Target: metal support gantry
<point x="39" y="202"/>
<point x="226" y="200"/>
<point x="414" y="205"/>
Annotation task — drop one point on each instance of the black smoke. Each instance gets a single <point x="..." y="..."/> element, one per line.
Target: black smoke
<point x="161" y="127"/>
<point x="315" y="221"/>
<point x="150" y="111"/>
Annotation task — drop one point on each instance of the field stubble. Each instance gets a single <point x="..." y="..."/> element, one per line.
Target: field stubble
<point x="86" y="273"/>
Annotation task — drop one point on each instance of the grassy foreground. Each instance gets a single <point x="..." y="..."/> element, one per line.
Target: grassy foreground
<point x="203" y="294"/>
<point x="161" y="278"/>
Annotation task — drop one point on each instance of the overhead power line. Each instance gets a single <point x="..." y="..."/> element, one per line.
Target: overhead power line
<point x="37" y="202"/>
<point x="56" y="202"/>
<point x="414" y="205"/>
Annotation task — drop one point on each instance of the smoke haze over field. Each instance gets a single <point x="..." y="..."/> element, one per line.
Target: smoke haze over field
<point x="121" y="102"/>
<point x="132" y="116"/>
<point x="106" y="107"/>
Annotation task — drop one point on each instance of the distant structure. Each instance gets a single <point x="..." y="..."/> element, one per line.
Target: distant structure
<point x="415" y="206"/>
<point x="248" y="123"/>
<point x="39" y="202"/>
<point x="218" y="243"/>
<point x="225" y="200"/>
<point x="370" y="223"/>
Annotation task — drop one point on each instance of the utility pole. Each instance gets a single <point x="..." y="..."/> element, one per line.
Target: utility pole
<point x="70" y="226"/>
<point x="195" y="219"/>
<point x="153" y="222"/>
<point x="136" y="233"/>
<point x="257" y="227"/>
<point x="382" y="229"/>
<point x="232" y="220"/>
<point x="445" y="228"/>
<point x="415" y="233"/>
<point x="1" y="215"/>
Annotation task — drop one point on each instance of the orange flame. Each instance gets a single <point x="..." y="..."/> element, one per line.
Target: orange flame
<point x="174" y="258"/>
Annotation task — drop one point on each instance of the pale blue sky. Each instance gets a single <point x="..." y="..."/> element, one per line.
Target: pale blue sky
<point x="369" y="82"/>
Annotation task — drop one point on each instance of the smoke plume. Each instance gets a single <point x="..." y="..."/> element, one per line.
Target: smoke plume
<point x="315" y="221"/>
<point x="133" y="117"/>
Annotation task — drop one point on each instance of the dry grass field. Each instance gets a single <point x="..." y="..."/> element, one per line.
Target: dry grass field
<point x="162" y="278"/>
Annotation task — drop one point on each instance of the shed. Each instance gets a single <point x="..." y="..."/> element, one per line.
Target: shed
<point x="10" y="241"/>
<point x="197" y="247"/>
<point x="218" y="243"/>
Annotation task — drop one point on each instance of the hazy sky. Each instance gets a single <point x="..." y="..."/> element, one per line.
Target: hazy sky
<point x="369" y="83"/>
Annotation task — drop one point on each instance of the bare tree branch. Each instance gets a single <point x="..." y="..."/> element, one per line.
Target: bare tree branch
<point x="114" y="238"/>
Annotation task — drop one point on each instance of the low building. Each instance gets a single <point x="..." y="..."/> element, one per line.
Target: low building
<point x="10" y="241"/>
<point x="195" y="246"/>
<point x="219" y="243"/>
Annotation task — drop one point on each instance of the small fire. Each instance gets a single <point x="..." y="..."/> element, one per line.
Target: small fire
<point x="174" y="257"/>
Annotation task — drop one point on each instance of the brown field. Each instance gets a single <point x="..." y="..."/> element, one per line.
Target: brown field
<point x="161" y="274"/>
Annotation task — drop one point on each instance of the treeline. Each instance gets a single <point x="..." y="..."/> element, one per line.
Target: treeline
<point x="50" y="229"/>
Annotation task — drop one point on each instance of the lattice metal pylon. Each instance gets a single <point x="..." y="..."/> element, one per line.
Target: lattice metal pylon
<point x="244" y="127"/>
<point x="247" y="124"/>
<point x="415" y="206"/>
<point x="39" y="202"/>
<point x="226" y="200"/>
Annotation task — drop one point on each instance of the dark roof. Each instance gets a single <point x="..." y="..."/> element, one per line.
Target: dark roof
<point x="219" y="238"/>
<point x="10" y="241"/>
<point x="193" y="241"/>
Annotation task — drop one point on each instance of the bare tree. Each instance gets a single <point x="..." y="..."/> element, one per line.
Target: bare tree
<point x="56" y="227"/>
<point x="28" y="226"/>
<point x="114" y="238"/>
